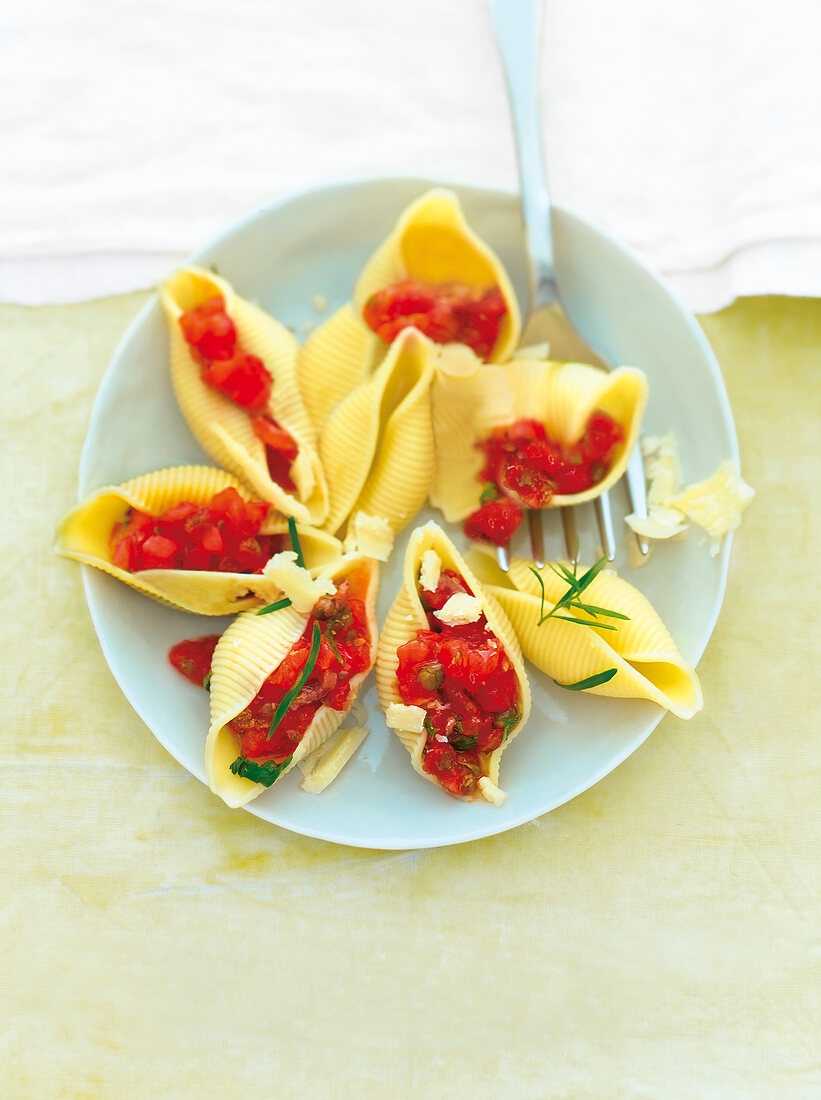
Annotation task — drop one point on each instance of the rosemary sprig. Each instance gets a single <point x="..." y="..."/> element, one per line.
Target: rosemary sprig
<point x="290" y="695"/>
<point x="295" y="546"/>
<point x="278" y="606"/>
<point x="571" y="601"/>
<point x="591" y="681"/>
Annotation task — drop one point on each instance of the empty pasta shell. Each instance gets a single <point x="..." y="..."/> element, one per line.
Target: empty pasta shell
<point x="337" y="355"/>
<point x="84" y="534"/>
<point x="648" y="664"/>
<point x="377" y="445"/>
<point x="222" y="427"/>
<point x="407" y="617"/>
<point x="246" y="654"/>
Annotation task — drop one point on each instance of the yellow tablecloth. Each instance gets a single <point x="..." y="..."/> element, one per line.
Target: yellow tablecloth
<point x="657" y="937"/>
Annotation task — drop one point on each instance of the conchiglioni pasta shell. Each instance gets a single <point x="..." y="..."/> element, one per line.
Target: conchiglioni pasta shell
<point x="649" y="666"/>
<point x="377" y="445"/>
<point x="221" y="426"/>
<point x="246" y="654"/>
<point x="564" y="395"/>
<point x="407" y="616"/>
<point x="468" y="400"/>
<point x="433" y="243"/>
<point x="337" y="356"/>
<point x="84" y="534"/>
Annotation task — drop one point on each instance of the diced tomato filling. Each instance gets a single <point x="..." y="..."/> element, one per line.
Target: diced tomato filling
<point x="240" y="376"/>
<point x="465" y="682"/>
<point x="445" y="313"/>
<point x="192" y="658"/>
<point x="495" y="521"/>
<point x="280" y="450"/>
<point x="221" y="536"/>
<point x="344" y="651"/>
<point x="527" y="469"/>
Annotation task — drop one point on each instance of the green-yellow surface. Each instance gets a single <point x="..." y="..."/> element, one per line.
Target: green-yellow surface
<point x="657" y="937"/>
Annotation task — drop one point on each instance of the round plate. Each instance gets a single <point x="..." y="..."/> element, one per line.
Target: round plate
<point x="316" y="243"/>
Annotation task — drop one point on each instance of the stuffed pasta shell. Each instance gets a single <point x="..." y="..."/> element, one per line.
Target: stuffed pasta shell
<point x="192" y="537"/>
<point x="233" y="368"/>
<point x="377" y="446"/>
<point x="281" y="683"/>
<point x="572" y="431"/>
<point x="433" y="272"/>
<point x="632" y="655"/>
<point x="449" y="671"/>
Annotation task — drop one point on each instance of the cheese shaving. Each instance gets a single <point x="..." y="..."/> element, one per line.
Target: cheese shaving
<point x="460" y="610"/>
<point x="369" y="535"/>
<point x="490" y="792"/>
<point x="430" y="571"/>
<point x="324" y="764"/>
<point x="297" y="583"/>
<point x="408" y="719"/>
<point x="714" y="504"/>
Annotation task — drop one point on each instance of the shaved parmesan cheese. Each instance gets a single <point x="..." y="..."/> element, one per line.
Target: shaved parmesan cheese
<point x="660" y="467"/>
<point x="717" y="503"/>
<point x="460" y="610"/>
<point x="661" y="523"/>
<point x="408" y="719"/>
<point x="297" y="583"/>
<point x="324" y="764"/>
<point x="369" y="535"/>
<point x="491" y="792"/>
<point x="430" y="570"/>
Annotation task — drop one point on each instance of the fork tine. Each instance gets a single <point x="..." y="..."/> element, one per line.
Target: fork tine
<point x="604" y="519"/>
<point x="534" y="524"/>
<point x="571" y="539"/>
<point x="503" y="557"/>
<point x="636" y="486"/>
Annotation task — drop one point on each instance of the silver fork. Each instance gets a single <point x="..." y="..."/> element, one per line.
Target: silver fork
<point x="517" y="25"/>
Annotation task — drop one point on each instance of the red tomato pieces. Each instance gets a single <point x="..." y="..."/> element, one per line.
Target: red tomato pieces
<point x="496" y="521"/>
<point x="464" y="680"/>
<point x="280" y="450"/>
<point x="447" y="313"/>
<point x="344" y="651"/>
<point x="192" y="658"/>
<point x="221" y="536"/>
<point x="212" y="337"/>
<point x="528" y="469"/>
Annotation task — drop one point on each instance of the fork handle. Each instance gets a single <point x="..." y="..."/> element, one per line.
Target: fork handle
<point x="517" y="25"/>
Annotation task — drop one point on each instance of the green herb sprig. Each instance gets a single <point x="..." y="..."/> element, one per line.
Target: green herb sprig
<point x="278" y="606"/>
<point x="290" y="695"/>
<point x="590" y="682"/>
<point x="570" y="601"/>
<point x="266" y="773"/>
<point x="293" y="535"/>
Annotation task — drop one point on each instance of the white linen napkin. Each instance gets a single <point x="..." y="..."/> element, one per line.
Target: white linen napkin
<point x="131" y="131"/>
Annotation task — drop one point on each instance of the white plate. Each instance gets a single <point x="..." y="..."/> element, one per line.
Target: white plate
<point x="316" y="242"/>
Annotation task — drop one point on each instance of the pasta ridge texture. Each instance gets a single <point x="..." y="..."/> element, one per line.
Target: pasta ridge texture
<point x="377" y="445"/>
<point x="337" y="356"/>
